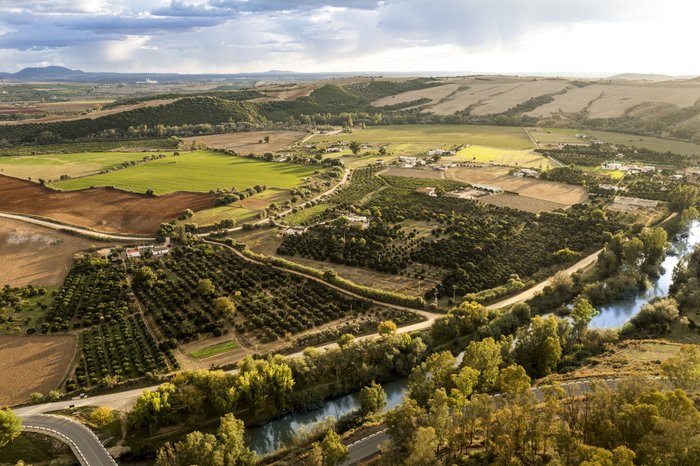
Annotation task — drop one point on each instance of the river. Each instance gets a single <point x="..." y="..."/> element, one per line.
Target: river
<point x="618" y="312"/>
<point x="278" y="433"/>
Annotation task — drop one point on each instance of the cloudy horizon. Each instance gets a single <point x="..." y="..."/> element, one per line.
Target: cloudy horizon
<point x="592" y="38"/>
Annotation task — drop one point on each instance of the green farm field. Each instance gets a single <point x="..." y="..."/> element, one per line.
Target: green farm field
<point x="52" y="166"/>
<point x="199" y="171"/>
<point x="564" y="135"/>
<point x="241" y="211"/>
<point x="304" y="215"/>
<point x="213" y="350"/>
<point x="430" y="136"/>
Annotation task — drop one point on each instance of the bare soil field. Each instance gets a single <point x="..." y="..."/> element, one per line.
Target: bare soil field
<point x="91" y="115"/>
<point x="273" y="95"/>
<point x="414" y="173"/>
<point x="553" y="192"/>
<point x="249" y="142"/>
<point x="34" y="255"/>
<point x="514" y="201"/>
<point x="476" y="94"/>
<point x="103" y="209"/>
<point x="33" y="364"/>
<point x="508" y="99"/>
<point x="614" y="102"/>
<point x="486" y="95"/>
<point x="573" y="101"/>
<point x="433" y="93"/>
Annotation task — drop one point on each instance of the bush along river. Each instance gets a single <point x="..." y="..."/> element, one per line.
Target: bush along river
<point x="618" y="312"/>
<point x="278" y="433"/>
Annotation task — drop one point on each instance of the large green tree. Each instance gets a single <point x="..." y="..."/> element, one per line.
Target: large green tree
<point x="372" y="399"/>
<point x="538" y="348"/>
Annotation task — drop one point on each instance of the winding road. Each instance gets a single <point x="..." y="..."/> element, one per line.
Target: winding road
<point x="284" y="213"/>
<point x="532" y="291"/>
<point x="90" y="451"/>
<point x="82" y="441"/>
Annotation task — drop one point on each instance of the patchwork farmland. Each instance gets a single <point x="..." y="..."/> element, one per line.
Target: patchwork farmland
<point x="102" y="209"/>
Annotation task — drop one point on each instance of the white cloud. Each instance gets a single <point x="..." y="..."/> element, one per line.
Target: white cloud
<point x="595" y="36"/>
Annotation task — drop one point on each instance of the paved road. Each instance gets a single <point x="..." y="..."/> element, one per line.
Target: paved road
<point x="284" y="213"/>
<point x="75" y="229"/>
<point x="532" y="291"/>
<point x="81" y="440"/>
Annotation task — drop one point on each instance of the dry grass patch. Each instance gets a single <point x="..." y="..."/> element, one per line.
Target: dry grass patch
<point x="34" y="255"/>
<point x="525" y="203"/>
<point x="550" y="191"/>
<point x="628" y="358"/>
<point x="31" y="364"/>
<point x="414" y="173"/>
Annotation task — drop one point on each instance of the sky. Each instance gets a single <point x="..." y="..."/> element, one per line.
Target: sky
<point x="584" y="37"/>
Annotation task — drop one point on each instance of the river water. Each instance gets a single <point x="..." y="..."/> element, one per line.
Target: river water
<point x="618" y="312"/>
<point x="278" y="433"/>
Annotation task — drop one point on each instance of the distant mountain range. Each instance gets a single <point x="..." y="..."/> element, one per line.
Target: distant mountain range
<point x="62" y="74"/>
<point x="647" y="77"/>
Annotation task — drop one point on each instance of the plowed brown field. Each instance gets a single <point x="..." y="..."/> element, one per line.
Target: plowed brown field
<point x="36" y="255"/>
<point x="32" y="364"/>
<point x="103" y="209"/>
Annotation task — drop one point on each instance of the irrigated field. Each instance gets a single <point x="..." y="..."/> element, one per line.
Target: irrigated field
<point x="199" y="171"/>
<point x="510" y="157"/>
<point x="553" y="136"/>
<point x="437" y="136"/>
<point x="52" y="166"/>
<point x="248" y="142"/>
<point x="35" y="255"/>
<point x="31" y="364"/>
<point x="101" y="209"/>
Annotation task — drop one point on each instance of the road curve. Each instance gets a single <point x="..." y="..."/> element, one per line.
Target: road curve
<point x="82" y="441"/>
<point x="532" y="291"/>
<point x="284" y="213"/>
<point x="76" y="229"/>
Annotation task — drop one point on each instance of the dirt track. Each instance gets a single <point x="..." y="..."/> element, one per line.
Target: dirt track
<point x="103" y="209"/>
